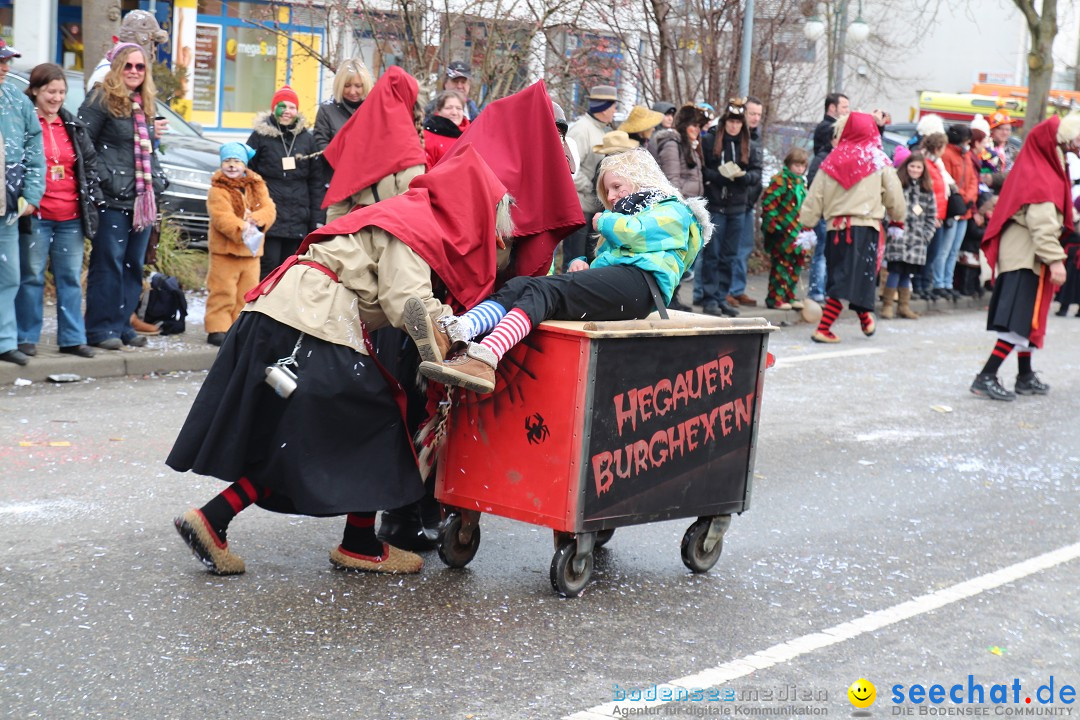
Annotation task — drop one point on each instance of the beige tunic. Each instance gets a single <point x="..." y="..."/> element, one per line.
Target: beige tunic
<point x="865" y="202"/>
<point x="377" y="273"/>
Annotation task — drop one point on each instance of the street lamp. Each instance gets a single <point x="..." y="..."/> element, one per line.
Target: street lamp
<point x="834" y="22"/>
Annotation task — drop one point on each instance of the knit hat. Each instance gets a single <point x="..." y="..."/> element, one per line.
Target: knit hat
<point x="979" y="123"/>
<point x="236" y="151"/>
<point x="640" y="119"/>
<point x="900" y="154"/>
<point x="1000" y="118"/>
<point x="285" y="94"/>
<point x="115" y="50"/>
<point x="1069" y="129"/>
<point x="664" y="107"/>
<point x="930" y="125"/>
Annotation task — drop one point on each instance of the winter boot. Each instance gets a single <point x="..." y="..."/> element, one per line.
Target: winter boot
<point x="473" y="370"/>
<point x="887" y="299"/>
<point x="432" y="342"/>
<point x="904" y="308"/>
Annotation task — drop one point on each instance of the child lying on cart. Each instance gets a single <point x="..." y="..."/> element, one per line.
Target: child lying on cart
<point x="651" y="234"/>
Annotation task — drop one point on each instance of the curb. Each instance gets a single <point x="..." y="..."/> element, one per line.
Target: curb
<point x="168" y="356"/>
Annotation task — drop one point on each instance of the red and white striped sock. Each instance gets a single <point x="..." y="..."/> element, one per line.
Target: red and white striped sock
<point x="829" y="314"/>
<point x="511" y="330"/>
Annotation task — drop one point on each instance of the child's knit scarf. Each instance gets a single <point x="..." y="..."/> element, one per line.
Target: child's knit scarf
<point x="634" y="203"/>
<point x="237" y="188"/>
<point x="145" y="203"/>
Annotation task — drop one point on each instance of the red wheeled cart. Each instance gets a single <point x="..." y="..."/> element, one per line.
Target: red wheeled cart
<point x="594" y="426"/>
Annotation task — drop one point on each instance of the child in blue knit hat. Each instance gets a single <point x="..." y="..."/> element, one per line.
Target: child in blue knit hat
<point x="240" y="212"/>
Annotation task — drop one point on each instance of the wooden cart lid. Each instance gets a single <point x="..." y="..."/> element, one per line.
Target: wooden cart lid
<point x="677" y="324"/>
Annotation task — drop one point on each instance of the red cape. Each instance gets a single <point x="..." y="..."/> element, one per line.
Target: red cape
<point x="447" y="217"/>
<point x="518" y="140"/>
<point x="858" y="154"/>
<point x="1037" y="176"/>
<point x="379" y="139"/>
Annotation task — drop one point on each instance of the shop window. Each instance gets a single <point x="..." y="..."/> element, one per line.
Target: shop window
<point x="251" y="69"/>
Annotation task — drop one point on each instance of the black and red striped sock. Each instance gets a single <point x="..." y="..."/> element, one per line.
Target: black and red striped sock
<point x="359" y="537"/>
<point x="1001" y="351"/>
<point x="1023" y="359"/>
<point x="220" y="511"/>
<point x="829" y="313"/>
<point x="864" y="320"/>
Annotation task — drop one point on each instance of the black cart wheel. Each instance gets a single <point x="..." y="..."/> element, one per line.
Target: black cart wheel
<point x="694" y="555"/>
<point x="603" y="537"/>
<point x="451" y="550"/>
<point x="567" y="581"/>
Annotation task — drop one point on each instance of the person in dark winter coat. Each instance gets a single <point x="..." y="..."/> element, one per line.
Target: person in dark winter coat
<point x="281" y="140"/>
<point x="68" y="213"/>
<point x="754" y="109"/>
<point x="119" y="121"/>
<point x="352" y="83"/>
<point x="836" y="105"/>
<point x="678" y="151"/>
<point x="731" y="167"/>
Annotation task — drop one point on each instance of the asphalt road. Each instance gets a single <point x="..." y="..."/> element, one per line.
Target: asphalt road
<point x="879" y="480"/>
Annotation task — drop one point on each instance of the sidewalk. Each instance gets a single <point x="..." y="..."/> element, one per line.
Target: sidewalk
<point x="190" y="352"/>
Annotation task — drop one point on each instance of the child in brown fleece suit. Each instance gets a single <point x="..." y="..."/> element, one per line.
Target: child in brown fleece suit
<point x="240" y="212"/>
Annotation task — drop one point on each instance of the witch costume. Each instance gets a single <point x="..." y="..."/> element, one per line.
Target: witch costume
<point x="853" y="191"/>
<point x="1033" y="216"/>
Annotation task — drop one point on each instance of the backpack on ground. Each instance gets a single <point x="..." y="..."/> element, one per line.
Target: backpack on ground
<point x="166" y="304"/>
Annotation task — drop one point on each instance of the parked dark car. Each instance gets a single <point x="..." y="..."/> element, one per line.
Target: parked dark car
<point x="188" y="159"/>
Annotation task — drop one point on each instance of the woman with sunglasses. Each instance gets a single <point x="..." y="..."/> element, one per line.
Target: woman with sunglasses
<point x="119" y="119"/>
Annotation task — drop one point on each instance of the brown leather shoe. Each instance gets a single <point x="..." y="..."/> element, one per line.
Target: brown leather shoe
<point x="746" y="300"/>
<point x="732" y="301"/>
<point x="431" y="341"/>
<point x="473" y="370"/>
<point x="144" y="328"/>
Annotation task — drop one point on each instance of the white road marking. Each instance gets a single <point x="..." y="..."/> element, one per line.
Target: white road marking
<point x="777" y="654"/>
<point x="780" y="361"/>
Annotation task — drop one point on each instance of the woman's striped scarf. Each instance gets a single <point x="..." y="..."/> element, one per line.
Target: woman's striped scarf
<point x="145" y="204"/>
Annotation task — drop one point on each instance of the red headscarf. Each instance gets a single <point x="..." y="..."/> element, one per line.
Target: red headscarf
<point x="1038" y="176"/>
<point x="379" y="139"/>
<point x="518" y="140"/>
<point x="446" y="216"/>
<point x="859" y="153"/>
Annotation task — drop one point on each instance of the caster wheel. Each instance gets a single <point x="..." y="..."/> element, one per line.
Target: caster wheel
<point x="603" y="537"/>
<point x="567" y="581"/>
<point x="451" y="550"/>
<point x="694" y="555"/>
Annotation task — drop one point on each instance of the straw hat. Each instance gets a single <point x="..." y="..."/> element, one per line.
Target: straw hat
<point x="616" y="141"/>
<point x="641" y="119"/>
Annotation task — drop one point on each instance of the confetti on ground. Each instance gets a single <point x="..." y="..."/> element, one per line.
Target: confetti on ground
<point x="47" y="443"/>
<point x="941" y="408"/>
<point x="997" y="650"/>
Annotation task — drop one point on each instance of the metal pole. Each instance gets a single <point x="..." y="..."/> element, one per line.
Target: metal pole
<point x="841" y="38"/>
<point x="747" y="41"/>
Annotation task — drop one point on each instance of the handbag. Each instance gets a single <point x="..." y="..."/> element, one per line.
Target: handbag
<point x="955" y="206"/>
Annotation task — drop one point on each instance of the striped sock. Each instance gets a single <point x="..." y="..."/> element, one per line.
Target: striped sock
<point x="483" y="318"/>
<point x="1023" y="358"/>
<point x="1001" y="351"/>
<point x="220" y="511"/>
<point x="864" y="320"/>
<point x="359" y="537"/>
<point x="511" y="330"/>
<point x="829" y="314"/>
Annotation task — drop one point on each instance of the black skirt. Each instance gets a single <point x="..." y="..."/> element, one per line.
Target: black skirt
<point x="852" y="266"/>
<point x="1012" y="306"/>
<point x="336" y="445"/>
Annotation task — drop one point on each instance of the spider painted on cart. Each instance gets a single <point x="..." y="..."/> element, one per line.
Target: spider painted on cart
<point x="536" y="431"/>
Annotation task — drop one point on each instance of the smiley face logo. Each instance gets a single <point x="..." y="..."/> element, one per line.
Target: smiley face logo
<point x="862" y="693"/>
